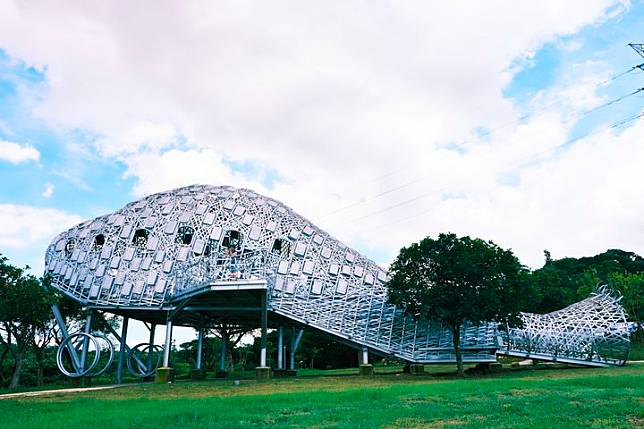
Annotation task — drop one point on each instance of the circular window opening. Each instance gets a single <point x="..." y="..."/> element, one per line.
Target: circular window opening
<point x="70" y="246"/>
<point x="99" y="241"/>
<point x="140" y="237"/>
<point x="184" y="235"/>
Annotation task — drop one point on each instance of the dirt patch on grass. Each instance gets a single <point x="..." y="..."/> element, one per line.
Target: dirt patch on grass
<point x="412" y="423"/>
<point x="636" y="421"/>
<point x="420" y="399"/>
<point x="518" y="393"/>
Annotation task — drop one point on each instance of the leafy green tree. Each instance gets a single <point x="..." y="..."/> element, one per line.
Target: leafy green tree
<point x="631" y="287"/>
<point x="561" y="282"/>
<point x="25" y="306"/>
<point x="452" y="280"/>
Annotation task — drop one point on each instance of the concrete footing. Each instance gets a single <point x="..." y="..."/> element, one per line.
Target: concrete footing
<point x="283" y="373"/>
<point x="263" y="372"/>
<point x="417" y="369"/>
<point x="198" y="374"/>
<point x="164" y="375"/>
<point x="366" y="369"/>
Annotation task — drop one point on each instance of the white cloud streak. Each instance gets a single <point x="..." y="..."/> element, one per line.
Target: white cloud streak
<point x="16" y="153"/>
<point x="26" y="226"/>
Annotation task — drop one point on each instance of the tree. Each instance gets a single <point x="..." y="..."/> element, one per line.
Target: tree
<point x="452" y="280"/>
<point x="25" y="306"/>
<point x="631" y="287"/>
<point x="561" y="282"/>
<point x="231" y="335"/>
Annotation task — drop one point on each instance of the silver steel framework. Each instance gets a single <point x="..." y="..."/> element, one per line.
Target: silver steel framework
<point x="594" y="330"/>
<point x="171" y="253"/>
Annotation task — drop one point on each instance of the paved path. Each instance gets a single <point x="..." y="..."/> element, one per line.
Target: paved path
<point x="54" y="391"/>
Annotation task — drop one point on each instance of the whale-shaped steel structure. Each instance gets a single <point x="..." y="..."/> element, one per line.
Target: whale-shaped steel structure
<point x="156" y="254"/>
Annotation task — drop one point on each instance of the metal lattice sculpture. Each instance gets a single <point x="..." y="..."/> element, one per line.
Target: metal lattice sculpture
<point x="593" y="330"/>
<point x="155" y="254"/>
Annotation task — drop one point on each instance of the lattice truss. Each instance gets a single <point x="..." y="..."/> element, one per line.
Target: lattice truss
<point x="594" y="329"/>
<point x="171" y="242"/>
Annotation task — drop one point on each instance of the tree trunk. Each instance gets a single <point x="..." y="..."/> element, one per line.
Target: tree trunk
<point x="40" y="358"/>
<point x="15" y="377"/>
<point x="2" y="359"/>
<point x="456" y="339"/>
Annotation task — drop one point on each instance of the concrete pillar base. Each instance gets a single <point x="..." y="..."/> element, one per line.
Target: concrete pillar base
<point x="263" y="372"/>
<point x="366" y="369"/>
<point x="164" y="375"/>
<point x="221" y="374"/>
<point x="198" y="374"/>
<point x="282" y="373"/>
<point x="417" y="369"/>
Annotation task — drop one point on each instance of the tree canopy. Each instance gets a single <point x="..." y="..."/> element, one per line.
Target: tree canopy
<point x="25" y="307"/>
<point x="561" y="282"/>
<point x="453" y="280"/>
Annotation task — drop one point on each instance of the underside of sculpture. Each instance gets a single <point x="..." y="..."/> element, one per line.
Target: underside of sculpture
<point x="202" y="255"/>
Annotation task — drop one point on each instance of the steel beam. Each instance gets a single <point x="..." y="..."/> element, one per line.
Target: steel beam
<point x="60" y="321"/>
<point x="88" y="330"/>
<point x="280" y="348"/>
<point x="153" y="328"/>
<point x="262" y="356"/>
<point x="122" y="351"/>
<point x="168" y="343"/>
<point x="295" y="343"/>
<point x="222" y="357"/>
<point x="199" y="348"/>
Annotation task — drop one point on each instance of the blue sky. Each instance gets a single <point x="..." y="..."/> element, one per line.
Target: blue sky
<point x="91" y="170"/>
<point x="381" y="122"/>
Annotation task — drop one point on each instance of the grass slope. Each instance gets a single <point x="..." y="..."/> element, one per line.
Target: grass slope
<point x="532" y="398"/>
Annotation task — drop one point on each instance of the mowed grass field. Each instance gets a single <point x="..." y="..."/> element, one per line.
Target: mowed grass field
<point x="539" y="397"/>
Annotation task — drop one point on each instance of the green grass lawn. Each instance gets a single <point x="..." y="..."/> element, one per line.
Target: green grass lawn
<point x="542" y="397"/>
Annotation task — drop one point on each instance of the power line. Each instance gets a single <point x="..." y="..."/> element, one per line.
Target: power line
<point x="483" y="134"/>
<point x="536" y="155"/>
<point x="420" y="179"/>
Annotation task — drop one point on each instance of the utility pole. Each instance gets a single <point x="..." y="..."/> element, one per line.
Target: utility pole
<point x="638" y="47"/>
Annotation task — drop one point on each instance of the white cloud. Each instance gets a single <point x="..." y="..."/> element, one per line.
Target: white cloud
<point x="26" y="226"/>
<point x="16" y="153"/>
<point x="335" y="96"/>
<point x="49" y="190"/>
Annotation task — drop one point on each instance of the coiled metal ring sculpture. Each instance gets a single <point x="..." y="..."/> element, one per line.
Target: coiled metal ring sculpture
<point x="78" y="343"/>
<point x="138" y="354"/>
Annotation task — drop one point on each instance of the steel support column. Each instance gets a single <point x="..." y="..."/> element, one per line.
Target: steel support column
<point x="262" y="357"/>
<point x="365" y="355"/>
<point x="167" y="344"/>
<point x="153" y="328"/>
<point x="88" y="330"/>
<point x="295" y="342"/>
<point x="280" y="348"/>
<point x="123" y="340"/>
<point x="60" y="321"/>
<point x="199" y="348"/>
<point x="222" y="357"/>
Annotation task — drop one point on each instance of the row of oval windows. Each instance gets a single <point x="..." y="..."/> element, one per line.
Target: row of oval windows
<point x="185" y="234"/>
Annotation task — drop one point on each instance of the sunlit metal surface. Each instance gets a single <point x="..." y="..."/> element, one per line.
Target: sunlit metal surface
<point x="592" y="330"/>
<point x="168" y="244"/>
